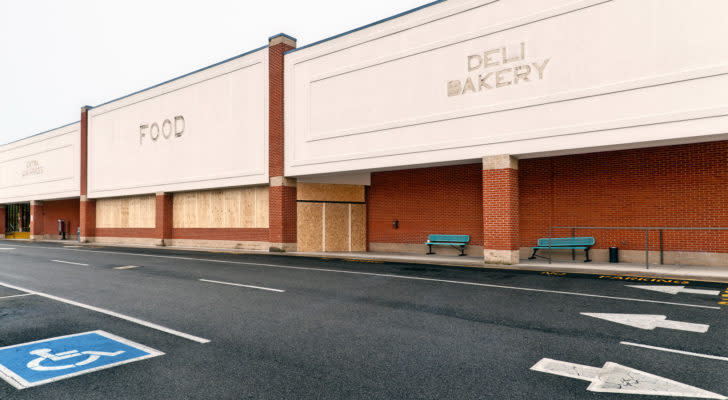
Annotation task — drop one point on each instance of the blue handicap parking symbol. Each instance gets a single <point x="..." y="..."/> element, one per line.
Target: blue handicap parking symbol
<point x="35" y="363"/>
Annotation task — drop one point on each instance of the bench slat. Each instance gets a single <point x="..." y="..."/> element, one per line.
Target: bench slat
<point x="459" y="239"/>
<point x="561" y="242"/>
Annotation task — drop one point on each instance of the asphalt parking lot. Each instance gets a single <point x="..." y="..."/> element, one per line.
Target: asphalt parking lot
<point x="218" y="325"/>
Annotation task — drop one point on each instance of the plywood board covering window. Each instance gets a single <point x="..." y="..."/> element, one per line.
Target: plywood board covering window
<point x="226" y="208"/>
<point x="126" y="212"/>
<point x="331" y="226"/>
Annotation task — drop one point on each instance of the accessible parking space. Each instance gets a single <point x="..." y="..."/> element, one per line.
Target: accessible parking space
<point x="52" y="350"/>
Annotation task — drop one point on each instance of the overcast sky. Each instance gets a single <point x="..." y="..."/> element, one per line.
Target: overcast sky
<point x="56" y="56"/>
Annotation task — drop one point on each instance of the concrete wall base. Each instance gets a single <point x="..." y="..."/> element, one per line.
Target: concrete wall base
<point x="69" y="238"/>
<point x="123" y="240"/>
<point x="638" y="257"/>
<point x="282" y="247"/>
<point x="508" y="257"/>
<point x="221" y="244"/>
<point x="475" y="251"/>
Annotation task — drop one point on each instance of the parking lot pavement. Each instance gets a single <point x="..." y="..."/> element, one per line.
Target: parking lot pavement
<point x="216" y="325"/>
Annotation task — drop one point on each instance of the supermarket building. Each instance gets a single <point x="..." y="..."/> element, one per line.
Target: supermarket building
<point x="495" y="119"/>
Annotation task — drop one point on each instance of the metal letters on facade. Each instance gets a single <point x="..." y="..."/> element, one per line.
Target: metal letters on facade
<point x="32" y="167"/>
<point x="489" y="78"/>
<point x="154" y="131"/>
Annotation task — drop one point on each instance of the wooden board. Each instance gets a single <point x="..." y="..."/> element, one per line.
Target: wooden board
<point x="310" y="227"/>
<point x="226" y="208"/>
<point x="358" y="227"/>
<point x="329" y="192"/>
<point x="127" y="212"/>
<point x="336" y="218"/>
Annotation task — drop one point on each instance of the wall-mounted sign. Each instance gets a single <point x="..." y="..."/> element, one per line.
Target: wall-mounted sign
<point x="166" y="130"/>
<point x="497" y="68"/>
<point x="32" y="167"/>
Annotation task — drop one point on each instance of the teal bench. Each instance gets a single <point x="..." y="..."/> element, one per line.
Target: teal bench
<point x="457" y="241"/>
<point x="572" y="243"/>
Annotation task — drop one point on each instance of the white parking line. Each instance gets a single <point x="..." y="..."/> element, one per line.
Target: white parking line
<point x="247" y="286"/>
<point x="7" y="248"/>
<point x="127" y="267"/>
<point x="111" y="313"/>
<point x="391" y="276"/>
<point x="688" y="353"/>
<point x="68" y="262"/>
<point x="16" y="295"/>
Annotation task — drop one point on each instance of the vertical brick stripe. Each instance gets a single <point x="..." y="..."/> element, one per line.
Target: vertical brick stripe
<point x="163" y="222"/>
<point x="282" y="217"/>
<point x="88" y="218"/>
<point x="500" y="209"/>
<point x="36" y="219"/>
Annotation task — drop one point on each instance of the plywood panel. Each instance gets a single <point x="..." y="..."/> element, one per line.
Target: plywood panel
<point x="227" y="208"/>
<point x="261" y="207"/>
<point x="336" y="218"/>
<point x="310" y="227"/>
<point x="358" y="227"/>
<point x="328" y="192"/>
<point x="126" y="212"/>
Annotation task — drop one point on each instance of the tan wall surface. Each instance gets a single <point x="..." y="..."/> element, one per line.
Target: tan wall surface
<point x="126" y="212"/>
<point x="329" y="192"/>
<point x="358" y="227"/>
<point x="336" y="217"/>
<point x="228" y="208"/>
<point x="310" y="230"/>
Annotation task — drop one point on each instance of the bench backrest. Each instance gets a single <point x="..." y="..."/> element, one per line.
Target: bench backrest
<point x="449" y="238"/>
<point x="575" y="241"/>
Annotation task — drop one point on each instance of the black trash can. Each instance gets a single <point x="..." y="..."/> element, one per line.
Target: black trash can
<point x="613" y="255"/>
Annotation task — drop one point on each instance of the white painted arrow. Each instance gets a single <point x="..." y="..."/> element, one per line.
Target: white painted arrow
<point x="675" y="289"/>
<point x="615" y="378"/>
<point x="650" y="322"/>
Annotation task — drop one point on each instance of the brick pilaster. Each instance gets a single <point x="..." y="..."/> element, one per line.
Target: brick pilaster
<point x="88" y="219"/>
<point x="36" y="220"/>
<point x="501" y="220"/>
<point x="282" y="194"/>
<point x="88" y="207"/>
<point x="164" y="217"/>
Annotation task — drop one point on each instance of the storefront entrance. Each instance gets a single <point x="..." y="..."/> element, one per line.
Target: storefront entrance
<point x="17" y="221"/>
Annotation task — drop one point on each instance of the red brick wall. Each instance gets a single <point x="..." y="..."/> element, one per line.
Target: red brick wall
<point x="445" y="200"/>
<point x="282" y="199"/>
<point x="3" y="216"/>
<point x="282" y="214"/>
<point x="500" y="209"/>
<point x="674" y="186"/>
<point x="68" y="210"/>
<point x="163" y="216"/>
<point x="88" y="218"/>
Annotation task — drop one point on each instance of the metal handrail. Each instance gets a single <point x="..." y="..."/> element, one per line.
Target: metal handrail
<point x="647" y="230"/>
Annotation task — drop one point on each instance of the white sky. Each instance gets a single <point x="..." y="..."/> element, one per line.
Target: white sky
<point x="56" y="56"/>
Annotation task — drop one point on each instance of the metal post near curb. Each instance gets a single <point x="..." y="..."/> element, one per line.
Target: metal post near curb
<point x="647" y="248"/>
<point x="549" y="244"/>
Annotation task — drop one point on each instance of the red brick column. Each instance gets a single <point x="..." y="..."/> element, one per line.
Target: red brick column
<point x="164" y="217"/>
<point x="87" y="207"/>
<point x="282" y="194"/>
<point x="88" y="219"/>
<point x="36" y="220"/>
<point x="3" y="215"/>
<point x="501" y="241"/>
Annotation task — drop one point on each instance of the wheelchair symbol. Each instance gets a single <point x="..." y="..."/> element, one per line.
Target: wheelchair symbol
<point x="45" y="354"/>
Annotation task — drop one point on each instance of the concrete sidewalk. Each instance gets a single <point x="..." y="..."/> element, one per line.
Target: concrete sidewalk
<point x="684" y="272"/>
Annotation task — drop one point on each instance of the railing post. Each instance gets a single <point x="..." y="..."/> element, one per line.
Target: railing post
<point x="549" y="244"/>
<point x="647" y="248"/>
<point x="662" y="255"/>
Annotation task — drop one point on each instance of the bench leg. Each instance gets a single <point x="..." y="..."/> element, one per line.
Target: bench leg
<point x="533" y="256"/>
<point x="462" y="251"/>
<point x="587" y="256"/>
<point x="430" y="252"/>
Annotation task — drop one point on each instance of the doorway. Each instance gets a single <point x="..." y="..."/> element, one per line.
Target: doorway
<point x="17" y="221"/>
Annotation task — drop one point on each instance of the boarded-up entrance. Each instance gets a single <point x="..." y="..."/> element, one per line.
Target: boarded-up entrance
<point x="331" y="217"/>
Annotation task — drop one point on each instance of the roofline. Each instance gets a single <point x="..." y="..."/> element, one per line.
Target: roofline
<point x="368" y="25"/>
<point x="183" y="76"/>
<point x="282" y="35"/>
<point x="38" y="134"/>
